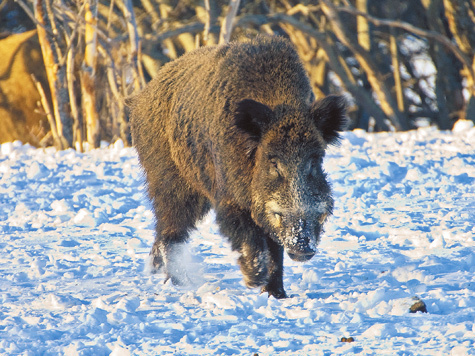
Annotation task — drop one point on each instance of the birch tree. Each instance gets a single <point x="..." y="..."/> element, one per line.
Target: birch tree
<point x="49" y="38"/>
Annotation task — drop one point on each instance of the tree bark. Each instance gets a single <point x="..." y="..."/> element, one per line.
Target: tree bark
<point x="129" y="16"/>
<point x="396" y="70"/>
<point x="47" y="109"/>
<point x="227" y="25"/>
<point x="75" y="112"/>
<point x="362" y="26"/>
<point x="448" y="82"/>
<point x="88" y="76"/>
<point x="56" y="74"/>
<point x="461" y="17"/>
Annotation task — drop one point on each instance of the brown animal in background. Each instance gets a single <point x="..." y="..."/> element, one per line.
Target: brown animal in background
<point x="20" y="57"/>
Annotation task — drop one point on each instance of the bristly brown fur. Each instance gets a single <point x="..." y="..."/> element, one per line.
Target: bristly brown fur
<point x="204" y="129"/>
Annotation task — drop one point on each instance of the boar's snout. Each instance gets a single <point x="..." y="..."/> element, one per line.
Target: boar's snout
<point x="301" y="258"/>
<point x="299" y="236"/>
<point x="301" y="255"/>
<point x="301" y="239"/>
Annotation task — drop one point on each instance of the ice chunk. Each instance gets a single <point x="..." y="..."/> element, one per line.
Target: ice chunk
<point x="60" y="206"/>
<point x="119" y="349"/>
<point x="37" y="171"/>
<point x="84" y="218"/>
<point x="380" y="330"/>
<point x="462" y="126"/>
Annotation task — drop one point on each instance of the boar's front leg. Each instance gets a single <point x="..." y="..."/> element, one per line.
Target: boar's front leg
<point x="165" y="254"/>
<point x="249" y="240"/>
<point x="275" y="285"/>
<point x="177" y="208"/>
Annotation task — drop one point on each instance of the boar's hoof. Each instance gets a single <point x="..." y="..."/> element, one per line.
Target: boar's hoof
<point x="179" y="281"/>
<point x="277" y="293"/>
<point x="156" y="263"/>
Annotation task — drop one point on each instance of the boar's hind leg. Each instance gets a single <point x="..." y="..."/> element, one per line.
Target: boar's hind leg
<point x="249" y="240"/>
<point x="177" y="209"/>
<point x="275" y="285"/>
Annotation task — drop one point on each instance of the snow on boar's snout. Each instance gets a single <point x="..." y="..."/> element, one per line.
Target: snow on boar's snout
<point x="299" y="232"/>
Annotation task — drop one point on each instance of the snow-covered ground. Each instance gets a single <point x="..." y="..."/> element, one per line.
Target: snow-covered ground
<point x="76" y="229"/>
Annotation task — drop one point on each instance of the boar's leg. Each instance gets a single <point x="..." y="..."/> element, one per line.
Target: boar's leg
<point x="166" y="254"/>
<point x="249" y="240"/>
<point x="177" y="208"/>
<point x="275" y="285"/>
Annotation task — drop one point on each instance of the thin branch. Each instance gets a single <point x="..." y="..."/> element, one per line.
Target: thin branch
<point x="129" y="16"/>
<point x="191" y="28"/>
<point x="139" y="64"/>
<point x="55" y="33"/>
<point x="3" y="4"/>
<point x="208" y="21"/>
<point x="305" y="10"/>
<point x="109" y="15"/>
<point x="47" y="109"/>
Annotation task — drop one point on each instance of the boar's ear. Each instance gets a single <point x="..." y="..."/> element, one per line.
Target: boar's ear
<point x="330" y="117"/>
<point x="252" y="118"/>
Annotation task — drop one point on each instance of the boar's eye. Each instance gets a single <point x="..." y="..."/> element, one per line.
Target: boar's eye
<point x="274" y="168"/>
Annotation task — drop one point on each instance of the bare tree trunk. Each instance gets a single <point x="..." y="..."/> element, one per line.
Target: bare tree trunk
<point x="75" y="112"/>
<point x="206" y="35"/>
<point x="362" y="97"/>
<point x="129" y="15"/>
<point x="168" y="43"/>
<point x="448" y="82"/>
<point x="47" y="109"/>
<point x="364" y="40"/>
<point x="209" y="37"/>
<point x="124" y="132"/>
<point x="396" y="70"/>
<point x="56" y="74"/>
<point x="88" y="76"/>
<point x="325" y="40"/>
<point x="227" y="26"/>
<point x="319" y="72"/>
<point x="461" y="17"/>
<point x="362" y="26"/>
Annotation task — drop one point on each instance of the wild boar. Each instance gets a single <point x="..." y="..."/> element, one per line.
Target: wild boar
<point x="236" y="128"/>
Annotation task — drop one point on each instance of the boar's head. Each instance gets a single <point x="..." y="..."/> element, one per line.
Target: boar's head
<point x="291" y="197"/>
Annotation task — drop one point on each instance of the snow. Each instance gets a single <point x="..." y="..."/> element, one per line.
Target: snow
<point x="76" y="229"/>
